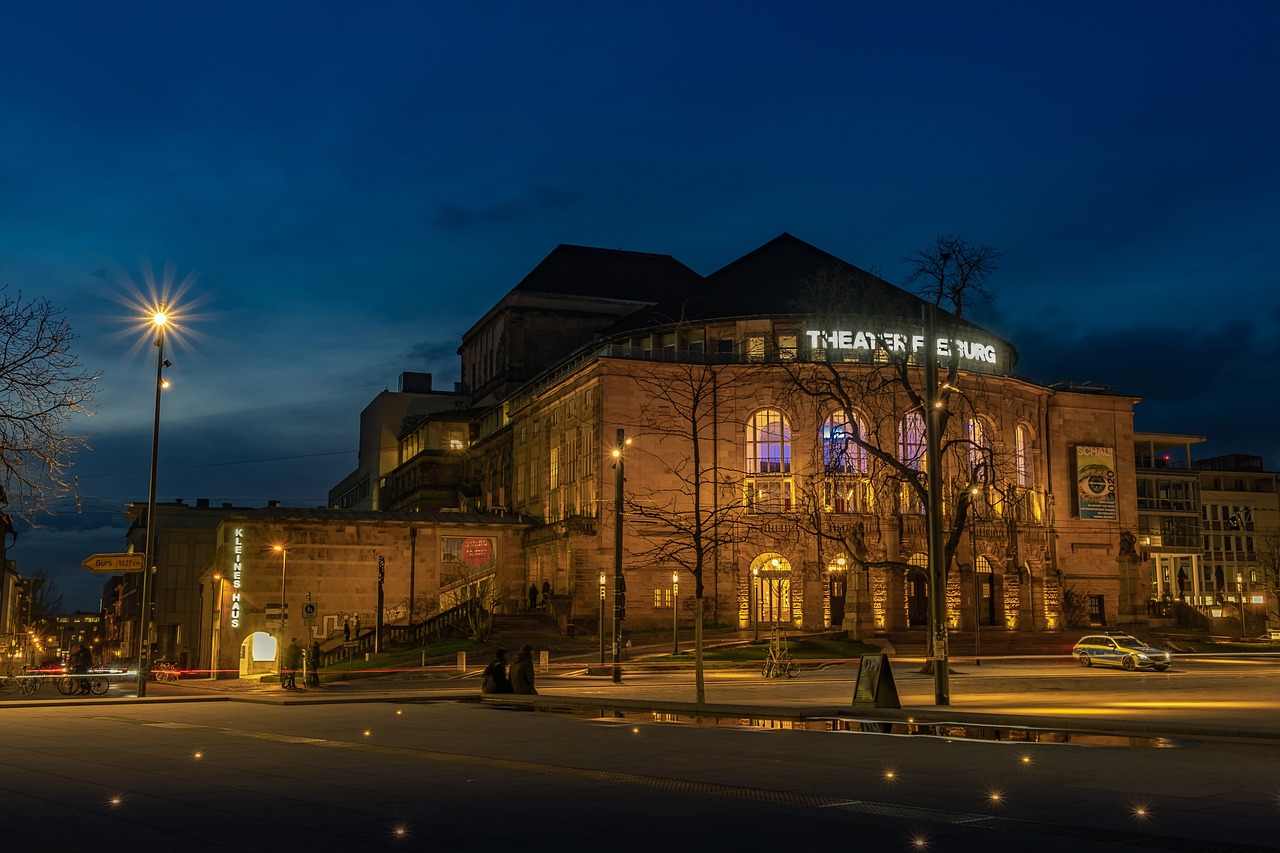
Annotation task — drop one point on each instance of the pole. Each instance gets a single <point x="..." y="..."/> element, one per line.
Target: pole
<point x="1240" y="599"/>
<point x="675" y="613"/>
<point x="619" y="591"/>
<point x="754" y="596"/>
<point x="601" y="630"/>
<point x="977" y="598"/>
<point x="149" y="567"/>
<point x="937" y="571"/>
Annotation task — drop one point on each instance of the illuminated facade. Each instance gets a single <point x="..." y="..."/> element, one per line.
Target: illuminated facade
<point x="773" y="444"/>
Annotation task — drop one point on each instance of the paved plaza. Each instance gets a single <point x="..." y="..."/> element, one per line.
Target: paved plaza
<point x="401" y="764"/>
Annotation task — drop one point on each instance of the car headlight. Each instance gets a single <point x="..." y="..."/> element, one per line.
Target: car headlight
<point x="1141" y="656"/>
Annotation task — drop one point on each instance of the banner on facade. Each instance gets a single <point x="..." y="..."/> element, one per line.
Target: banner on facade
<point x="1096" y="483"/>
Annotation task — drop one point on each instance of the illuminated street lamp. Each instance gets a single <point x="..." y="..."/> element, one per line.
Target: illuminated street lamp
<point x="159" y="319"/>
<point x="619" y="585"/>
<point x="602" y="599"/>
<point x="977" y="598"/>
<point x="754" y="601"/>
<point x="675" y="613"/>
<point x="284" y="608"/>
<point x="1240" y="598"/>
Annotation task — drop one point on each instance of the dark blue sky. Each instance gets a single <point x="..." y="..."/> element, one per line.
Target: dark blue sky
<point x="351" y="185"/>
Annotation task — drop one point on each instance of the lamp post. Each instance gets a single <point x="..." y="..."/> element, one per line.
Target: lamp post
<point x="933" y="453"/>
<point x="619" y="585"/>
<point x="158" y="320"/>
<point x="602" y="600"/>
<point x="284" y="607"/>
<point x="977" y="598"/>
<point x="1240" y="598"/>
<point x="754" y="602"/>
<point x="675" y="613"/>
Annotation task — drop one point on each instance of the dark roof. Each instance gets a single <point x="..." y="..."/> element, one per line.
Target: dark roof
<point x="609" y="274"/>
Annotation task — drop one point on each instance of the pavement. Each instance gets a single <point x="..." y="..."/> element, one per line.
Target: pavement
<point x="418" y="760"/>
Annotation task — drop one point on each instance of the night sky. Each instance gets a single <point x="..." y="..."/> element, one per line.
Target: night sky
<point x="344" y="188"/>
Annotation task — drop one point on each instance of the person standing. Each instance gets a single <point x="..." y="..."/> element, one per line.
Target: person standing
<point x="313" y="665"/>
<point x="522" y="672"/>
<point x="84" y="663"/>
<point x="357" y="626"/>
<point x="289" y="662"/>
<point x="346" y="630"/>
<point x="494" y="679"/>
<point x="533" y="596"/>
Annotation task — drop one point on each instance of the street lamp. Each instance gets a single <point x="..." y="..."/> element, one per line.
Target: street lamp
<point x="675" y="613"/>
<point x="977" y="598"/>
<point x="619" y="585"/>
<point x="601" y="630"/>
<point x="1240" y="598"/>
<point x="754" y="601"/>
<point x="159" y="319"/>
<point x="284" y="607"/>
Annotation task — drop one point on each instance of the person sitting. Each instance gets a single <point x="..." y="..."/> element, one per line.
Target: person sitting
<point x="522" y="672"/>
<point x="494" y="679"/>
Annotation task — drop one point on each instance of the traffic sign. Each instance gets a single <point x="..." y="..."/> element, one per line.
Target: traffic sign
<point x="110" y="564"/>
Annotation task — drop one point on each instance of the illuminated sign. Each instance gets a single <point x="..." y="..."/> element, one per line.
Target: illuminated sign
<point x="236" y="567"/>
<point x="895" y="342"/>
<point x="1096" y="483"/>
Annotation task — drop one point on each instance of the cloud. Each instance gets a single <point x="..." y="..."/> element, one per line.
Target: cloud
<point x="457" y="217"/>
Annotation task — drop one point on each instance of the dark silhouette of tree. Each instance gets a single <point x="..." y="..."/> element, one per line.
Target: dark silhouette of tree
<point x="42" y="384"/>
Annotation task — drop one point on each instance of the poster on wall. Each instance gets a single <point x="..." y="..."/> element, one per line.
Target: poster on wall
<point x="1096" y="483"/>
<point x="467" y="556"/>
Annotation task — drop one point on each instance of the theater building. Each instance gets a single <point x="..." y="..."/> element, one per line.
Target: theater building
<point x="768" y="421"/>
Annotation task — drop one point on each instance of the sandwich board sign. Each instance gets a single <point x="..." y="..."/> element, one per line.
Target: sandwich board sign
<point x="874" y="687"/>
<point x="110" y="564"/>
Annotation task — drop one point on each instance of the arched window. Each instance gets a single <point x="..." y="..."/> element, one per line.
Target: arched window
<point x="1022" y="455"/>
<point x="911" y="446"/>
<point x="975" y="431"/>
<point x="768" y="486"/>
<point x="840" y="453"/>
<point x="768" y="443"/>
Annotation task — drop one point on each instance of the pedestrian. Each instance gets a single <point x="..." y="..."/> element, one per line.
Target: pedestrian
<point x="546" y="590"/>
<point x="357" y="626"/>
<point x="290" y="660"/>
<point x="533" y="596"/>
<point x="313" y="665"/>
<point x="346" y="630"/>
<point x="494" y="679"/>
<point x="83" y="663"/>
<point x="522" y="671"/>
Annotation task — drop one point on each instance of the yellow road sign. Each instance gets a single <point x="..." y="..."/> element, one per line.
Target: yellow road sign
<point x="110" y="564"/>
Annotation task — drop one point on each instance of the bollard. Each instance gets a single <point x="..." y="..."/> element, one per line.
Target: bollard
<point x="366" y="657"/>
<point x="544" y="661"/>
<point x="462" y="661"/>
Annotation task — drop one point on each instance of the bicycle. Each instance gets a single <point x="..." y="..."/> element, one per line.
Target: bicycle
<point x="70" y="685"/>
<point x="165" y="672"/>
<point x="779" y="661"/>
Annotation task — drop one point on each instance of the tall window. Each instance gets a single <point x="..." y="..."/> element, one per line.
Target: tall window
<point x="768" y="487"/>
<point x="1022" y="455"/>
<point x="840" y="454"/>
<point x="768" y="443"/>
<point x="979" y="444"/>
<point x="911" y="444"/>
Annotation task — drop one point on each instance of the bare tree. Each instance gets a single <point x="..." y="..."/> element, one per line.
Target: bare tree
<point x="690" y="516"/>
<point x="864" y="407"/>
<point x="42" y="384"/>
<point x="1268" y="556"/>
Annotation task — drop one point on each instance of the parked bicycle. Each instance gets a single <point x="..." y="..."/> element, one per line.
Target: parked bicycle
<point x="165" y="672"/>
<point x="779" y="661"/>
<point x="19" y="683"/>
<point x="83" y="684"/>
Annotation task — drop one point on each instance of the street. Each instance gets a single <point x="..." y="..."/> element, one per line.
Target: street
<point x="411" y="762"/>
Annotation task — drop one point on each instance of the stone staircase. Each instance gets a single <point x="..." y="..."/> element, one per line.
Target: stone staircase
<point x="522" y="626"/>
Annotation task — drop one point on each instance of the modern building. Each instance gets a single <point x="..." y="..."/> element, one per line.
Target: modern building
<point x="767" y="417"/>
<point x="1240" y="518"/>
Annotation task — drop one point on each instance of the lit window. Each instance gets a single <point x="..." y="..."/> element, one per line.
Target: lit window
<point x="911" y="445"/>
<point x="768" y="443"/>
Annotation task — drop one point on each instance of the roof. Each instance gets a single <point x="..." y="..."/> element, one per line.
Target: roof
<point x="609" y="274"/>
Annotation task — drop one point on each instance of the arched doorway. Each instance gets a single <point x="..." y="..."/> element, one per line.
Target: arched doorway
<point x="918" y="592"/>
<point x="771" y="579"/>
<point x="985" y="593"/>
<point x="837" y="580"/>
<point x="257" y="654"/>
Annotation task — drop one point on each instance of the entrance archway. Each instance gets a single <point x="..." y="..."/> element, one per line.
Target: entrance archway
<point x="771" y="577"/>
<point x="918" y="592"/>
<point x="257" y="654"/>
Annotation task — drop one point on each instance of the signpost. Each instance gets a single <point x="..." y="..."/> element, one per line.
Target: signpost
<point x="110" y="564"/>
